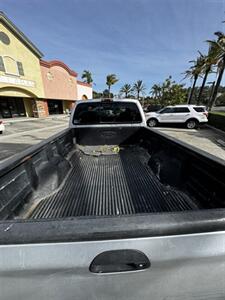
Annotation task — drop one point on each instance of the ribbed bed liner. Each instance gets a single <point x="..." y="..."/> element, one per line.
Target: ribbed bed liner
<point x="115" y="184"/>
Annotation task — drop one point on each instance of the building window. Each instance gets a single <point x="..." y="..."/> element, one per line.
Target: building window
<point x="10" y="65"/>
<point x="4" y="38"/>
<point x="2" y="66"/>
<point x="20" y="68"/>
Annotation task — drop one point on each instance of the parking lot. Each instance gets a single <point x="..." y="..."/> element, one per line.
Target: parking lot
<point x="22" y="134"/>
<point x="205" y="138"/>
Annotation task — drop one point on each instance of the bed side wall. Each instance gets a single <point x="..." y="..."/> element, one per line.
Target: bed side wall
<point x="196" y="172"/>
<point x="28" y="172"/>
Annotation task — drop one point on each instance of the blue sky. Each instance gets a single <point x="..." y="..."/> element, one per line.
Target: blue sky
<point x="135" y="39"/>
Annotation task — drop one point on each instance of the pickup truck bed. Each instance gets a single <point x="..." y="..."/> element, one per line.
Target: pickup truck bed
<point x="111" y="184"/>
<point x="83" y="173"/>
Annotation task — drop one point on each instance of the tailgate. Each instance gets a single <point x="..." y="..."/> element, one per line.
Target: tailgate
<point x="181" y="266"/>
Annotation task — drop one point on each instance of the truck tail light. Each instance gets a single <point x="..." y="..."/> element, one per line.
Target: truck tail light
<point x="206" y="114"/>
<point x="1" y="122"/>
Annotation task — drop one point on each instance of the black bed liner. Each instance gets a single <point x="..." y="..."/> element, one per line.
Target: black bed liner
<point x="117" y="184"/>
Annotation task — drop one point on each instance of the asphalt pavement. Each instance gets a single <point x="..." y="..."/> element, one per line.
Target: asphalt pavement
<point x="22" y="134"/>
<point x="205" y="138"/>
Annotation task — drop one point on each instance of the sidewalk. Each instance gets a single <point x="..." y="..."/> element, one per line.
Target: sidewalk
<point x="26" y="119"/>
<point x="28" y="132"/>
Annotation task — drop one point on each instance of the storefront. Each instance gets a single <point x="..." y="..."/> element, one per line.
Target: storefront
<point x="12" y="107"/>
<point x="55" y="107"/>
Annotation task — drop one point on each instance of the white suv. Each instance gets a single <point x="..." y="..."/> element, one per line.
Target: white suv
<point x="191" y="115"/>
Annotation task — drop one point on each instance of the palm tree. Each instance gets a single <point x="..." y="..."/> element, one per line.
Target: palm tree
<point x="126" y="89"/>
<point x="209" y="61"/>
<point x="219" y="56"/>
<point x="210" y="95"/>
<point x="87" y="76"/>
<point x="156" y="91"/>
<point x="191" y="74"/>
<point x="194" y="72"/>
<point x="206" y="69"/>
<point x="139" y="88"/>
<point x="110" y="80"/>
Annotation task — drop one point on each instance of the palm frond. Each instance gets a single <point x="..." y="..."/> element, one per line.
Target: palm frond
<point x="201" y="55"/>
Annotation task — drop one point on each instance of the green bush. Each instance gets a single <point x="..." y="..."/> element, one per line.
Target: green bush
<point x="217" y="119"/>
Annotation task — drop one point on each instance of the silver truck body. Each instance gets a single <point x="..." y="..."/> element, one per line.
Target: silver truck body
<point x="182" y="267"/>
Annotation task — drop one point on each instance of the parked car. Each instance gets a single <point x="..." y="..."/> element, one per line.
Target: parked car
<point x="191" y="115"/>
<point x="2" y="127"/>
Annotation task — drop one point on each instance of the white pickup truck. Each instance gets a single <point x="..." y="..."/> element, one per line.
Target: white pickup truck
<point x="110" y="209"/>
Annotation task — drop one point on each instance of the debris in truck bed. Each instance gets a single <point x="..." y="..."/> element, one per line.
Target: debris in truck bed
<point x="99" y="150"/>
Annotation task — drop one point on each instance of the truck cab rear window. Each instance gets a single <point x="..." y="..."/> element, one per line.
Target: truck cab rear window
<point x="106" y="113"/>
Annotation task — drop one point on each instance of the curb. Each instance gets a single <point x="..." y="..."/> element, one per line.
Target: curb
<point x="12" y="121"/>
<point x="215" y="129"/>
<point x="20" y="134"/>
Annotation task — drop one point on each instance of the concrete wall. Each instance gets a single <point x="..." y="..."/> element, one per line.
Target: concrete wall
<point x="30" y="84"/>
<point x="84" y="89"/>
<point x="41" y="108"/>
<point x="28" y="104"/>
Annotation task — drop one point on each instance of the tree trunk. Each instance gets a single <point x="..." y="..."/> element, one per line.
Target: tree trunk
<point x="109" y="90"/>
<point x="215" y="90"/>
<point x="138" y="95"/>
<point x="126" y="94"/>
<point x="192" y="90"/>
<point x="202" y="86"/>
<point x="210" y="96"/>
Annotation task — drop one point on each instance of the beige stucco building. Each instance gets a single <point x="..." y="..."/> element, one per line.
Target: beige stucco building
<point x="60" y="86"/>
<point x="20" y="75"/>
<point x="30" y="86"/>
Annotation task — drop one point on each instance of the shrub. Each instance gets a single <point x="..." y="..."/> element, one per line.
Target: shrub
<point x="217" y="119"/>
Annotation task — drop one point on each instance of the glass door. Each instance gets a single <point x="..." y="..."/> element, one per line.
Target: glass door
<point x="4" y="109"/>
<point x="12" y="107"/>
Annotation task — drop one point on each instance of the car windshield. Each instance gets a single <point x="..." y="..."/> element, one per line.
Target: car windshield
<point x="166" y="110"/>
<point x="107" y="113"/>
<point x="160" y="110"/>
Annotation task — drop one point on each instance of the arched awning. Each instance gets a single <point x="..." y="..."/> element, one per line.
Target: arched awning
<point x="12" y="91"/>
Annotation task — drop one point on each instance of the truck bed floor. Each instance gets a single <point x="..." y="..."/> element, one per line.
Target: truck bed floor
<point x="116" y="184"/>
